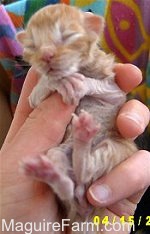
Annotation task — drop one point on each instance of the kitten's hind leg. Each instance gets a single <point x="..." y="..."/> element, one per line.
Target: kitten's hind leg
<point x="89" y="163"/>
<point x="44" y="169"/>
<point x="110" y="152"/>
<point x="84" y="130"/>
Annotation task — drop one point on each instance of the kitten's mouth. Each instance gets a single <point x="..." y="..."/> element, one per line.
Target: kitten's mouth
<point x="50" y="70"/>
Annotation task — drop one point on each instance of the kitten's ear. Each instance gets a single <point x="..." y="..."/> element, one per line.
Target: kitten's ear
<point x="94" y="23"/>
<point x="21" y="36"/>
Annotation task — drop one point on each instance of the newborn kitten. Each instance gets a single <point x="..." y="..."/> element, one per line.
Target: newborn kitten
<point x="60" y="41"/>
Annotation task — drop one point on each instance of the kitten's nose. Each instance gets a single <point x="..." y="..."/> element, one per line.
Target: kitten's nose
<point x="47" y="56"/>
<point x="47" y="53"/>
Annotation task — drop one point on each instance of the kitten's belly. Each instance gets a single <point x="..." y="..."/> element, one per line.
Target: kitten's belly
<point x="103" y="114"/>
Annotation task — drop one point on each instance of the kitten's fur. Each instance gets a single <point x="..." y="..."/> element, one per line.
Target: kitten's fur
<point x="60" y="41"/>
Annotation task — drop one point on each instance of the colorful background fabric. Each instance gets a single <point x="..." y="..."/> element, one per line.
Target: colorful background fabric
<point x="127" y="35"/>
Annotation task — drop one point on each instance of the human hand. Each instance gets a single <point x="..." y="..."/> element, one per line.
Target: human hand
<point x="121" y="189"/>
<point x="32" y="131"/>
<point x="28" y="135"/>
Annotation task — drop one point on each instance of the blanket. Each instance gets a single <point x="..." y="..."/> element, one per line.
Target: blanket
<point x="127" y="35"/>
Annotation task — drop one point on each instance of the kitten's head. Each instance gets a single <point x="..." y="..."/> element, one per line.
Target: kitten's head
<point x="59" y="39"/>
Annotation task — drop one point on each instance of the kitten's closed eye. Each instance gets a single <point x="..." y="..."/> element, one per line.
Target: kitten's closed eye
<point x="29" y="44"/>
<point x="31" y="47"/>
<point x="71" y="36"/>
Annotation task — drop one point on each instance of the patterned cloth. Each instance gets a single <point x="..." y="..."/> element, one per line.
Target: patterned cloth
<point x="9" y="49"/>
<point x="127" y="35"/>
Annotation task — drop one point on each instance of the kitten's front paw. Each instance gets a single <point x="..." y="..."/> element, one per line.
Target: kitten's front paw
<point x="36" y="97"/>
<point x="33" y="102"/>
<point x="72" y="89"/>
<point x="84" y="126"/>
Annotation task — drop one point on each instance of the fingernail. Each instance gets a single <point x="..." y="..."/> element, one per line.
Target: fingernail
<point x="100" y="193"/>
<point x="136" y="119"/>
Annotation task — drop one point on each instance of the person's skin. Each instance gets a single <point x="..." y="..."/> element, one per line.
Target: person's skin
<point x="35" y="131"/>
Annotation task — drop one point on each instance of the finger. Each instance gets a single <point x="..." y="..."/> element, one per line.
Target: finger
<point x="130" y="176"/>
<point x="126" y="207"/>
<point x="135" y="198"/>
<point x="132" y="119"/>
<point x="43" y="129"/>
<point x="128" y="76"/>
<point x="23" y="109"/>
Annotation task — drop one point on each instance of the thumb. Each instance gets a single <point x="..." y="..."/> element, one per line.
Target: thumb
<point x="124" y="181"/>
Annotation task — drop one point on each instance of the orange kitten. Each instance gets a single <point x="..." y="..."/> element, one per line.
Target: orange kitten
<point x="60" y="41"/>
